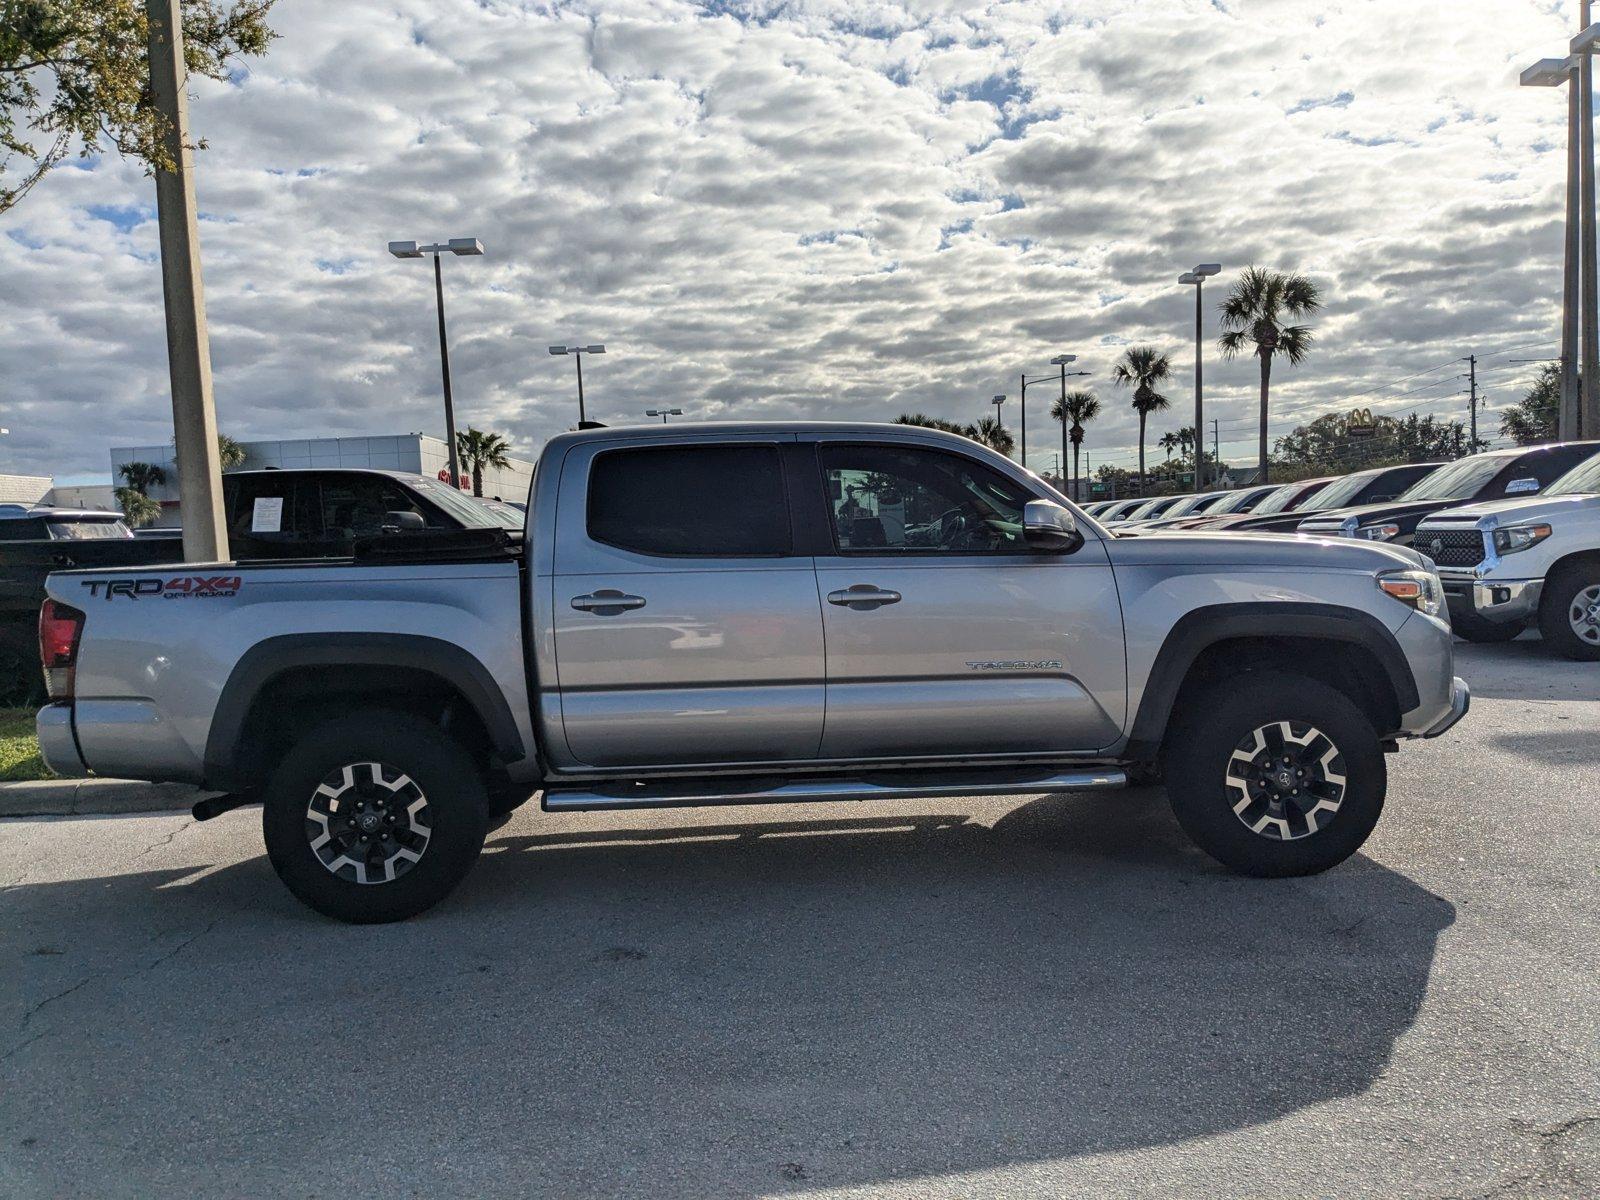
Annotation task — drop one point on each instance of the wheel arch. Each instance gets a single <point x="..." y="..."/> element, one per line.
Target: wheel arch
<point x="281" y="685"/>
<point x="1349" y="649"/>
<point x="1576" y="558"/>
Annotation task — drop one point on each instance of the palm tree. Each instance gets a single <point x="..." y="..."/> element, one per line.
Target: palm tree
<point x="141" y="476"/>
<point x="478" y="451"/>
<point x="1078" y="408"/>
<point x="1168" y="441"/>
<point x="1141" y="368"/>
<point x="230" y="452"/>
<point x="137" y="508"/>
<point x="927" y="422"/>
<point x="992" y="434"/>
<point x="1253" y="315"/>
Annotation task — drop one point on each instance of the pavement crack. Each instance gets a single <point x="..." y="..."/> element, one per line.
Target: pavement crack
<point x="187" y="942"/>
<point x="61" y="995"/>
<point x="166" y="841"/>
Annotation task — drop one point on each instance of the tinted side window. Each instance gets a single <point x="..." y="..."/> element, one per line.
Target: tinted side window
<point x="1552" y="464"/>
<point x="892" y="500"/>
<point x="356" y="506"/>
<point x="266" y="511"/>
<point x="690" y="501"/>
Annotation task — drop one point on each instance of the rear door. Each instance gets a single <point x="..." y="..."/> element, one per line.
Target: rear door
<point x="946" y="634"/>
<point x="687" y="628"/>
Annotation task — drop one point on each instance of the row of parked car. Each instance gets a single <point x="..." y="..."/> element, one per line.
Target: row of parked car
<point x="1514" y="534"/>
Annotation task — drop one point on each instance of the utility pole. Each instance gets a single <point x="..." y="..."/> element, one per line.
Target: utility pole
<point x="1472" y="403"/>
<point x="1589" y="392"/>
<point x="1216" y="441"/>
<point x="1568" y="414"/>
<point x="194" y="417"/>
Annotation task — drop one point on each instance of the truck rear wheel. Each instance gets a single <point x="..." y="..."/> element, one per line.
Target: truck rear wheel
<point x="374" y="817"/>
<point x="1569" y="612"/>
<point x="1275" y="775"/>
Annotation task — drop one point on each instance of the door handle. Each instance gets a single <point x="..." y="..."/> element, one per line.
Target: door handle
<point x="607" y="602"/>
<point x="863" y="597"/>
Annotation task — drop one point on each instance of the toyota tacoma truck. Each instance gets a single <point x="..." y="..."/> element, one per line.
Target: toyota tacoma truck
<point x="1495" y="475"/>
<point x="737" y="614"/>
<point x="1510" y="562"/>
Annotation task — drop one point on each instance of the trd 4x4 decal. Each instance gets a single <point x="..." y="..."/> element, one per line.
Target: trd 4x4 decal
<point x="200" y="587"/>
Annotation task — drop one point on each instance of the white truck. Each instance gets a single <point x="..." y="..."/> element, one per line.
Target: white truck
<point x="1505" y="563"/>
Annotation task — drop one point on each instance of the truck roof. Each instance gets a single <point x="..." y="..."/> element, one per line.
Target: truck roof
<point x="757" y="428"/>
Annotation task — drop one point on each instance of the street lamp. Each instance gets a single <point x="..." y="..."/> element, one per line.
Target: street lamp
<point x="1062" y="361"/>
<point x="1198" y="278"/>
<point x="663" y="413"/>
<point x="577" y="353"/>
<point x="457" y="246"/>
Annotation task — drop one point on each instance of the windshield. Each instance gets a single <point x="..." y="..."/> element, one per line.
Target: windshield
<point x="1279" y="500"/>
<point x="471" y="513"/>
<point x="1237" y="500"/>
<point x="83" y="531"/>
<point x="1341" y="492"/>
<point x="1585" y="477"/>
<point x="1189" y="504"/>
<point x="1459" y="481"/>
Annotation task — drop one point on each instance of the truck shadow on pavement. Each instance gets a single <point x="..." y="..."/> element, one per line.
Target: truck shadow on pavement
<point x="703" y="1008"/>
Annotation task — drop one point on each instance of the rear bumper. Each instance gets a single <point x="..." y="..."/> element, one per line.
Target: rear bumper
<point x="1460" y="702"/>
<point x="57" y="743"/>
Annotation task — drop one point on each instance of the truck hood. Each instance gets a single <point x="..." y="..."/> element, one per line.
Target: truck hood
<point x="1492" y="514"/>
<point x="1369" y="514"/>
<point x="1280" y="550"/>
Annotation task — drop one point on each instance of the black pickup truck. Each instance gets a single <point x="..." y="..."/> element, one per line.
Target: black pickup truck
<point x="318" y="513"/>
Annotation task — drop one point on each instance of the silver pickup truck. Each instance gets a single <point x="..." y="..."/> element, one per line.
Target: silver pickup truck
<point x="741" y="614"/>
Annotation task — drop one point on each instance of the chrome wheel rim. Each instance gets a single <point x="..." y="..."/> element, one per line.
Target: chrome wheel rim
<point x="1583" y="614"/>
<point x="1286" y="780"/>
<point x="368" y="823"/>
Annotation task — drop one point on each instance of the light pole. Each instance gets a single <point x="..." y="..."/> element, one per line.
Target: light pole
<point x="1198" y="278"/>
<point x="1062" y="361"/>
<point x="456" y="246"/>
<point x="663" y="413"/>
<point x="997" y="401"/>
<point x="1553" y="72"/>
<point x="577" y="353"/>
<point x="1588" y="424"/>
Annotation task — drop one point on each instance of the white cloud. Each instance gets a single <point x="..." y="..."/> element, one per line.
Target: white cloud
<point x="804" y="210"/>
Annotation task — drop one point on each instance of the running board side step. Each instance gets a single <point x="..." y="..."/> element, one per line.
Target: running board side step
<point x="789" y="790"/>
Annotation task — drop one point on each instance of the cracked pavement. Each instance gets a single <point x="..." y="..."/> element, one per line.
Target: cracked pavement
<point x="998" y="997"/>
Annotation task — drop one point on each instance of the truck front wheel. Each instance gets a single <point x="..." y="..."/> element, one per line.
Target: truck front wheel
<point x="1275" y="774"/>
<point x="1569" y="612"/>
<point x="374" y="817"/>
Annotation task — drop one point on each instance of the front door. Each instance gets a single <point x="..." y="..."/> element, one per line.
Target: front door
<point x="946" y="634"/>
<point x="687" y="630"/>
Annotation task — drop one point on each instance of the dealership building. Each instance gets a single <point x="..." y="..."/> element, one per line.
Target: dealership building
<point x="415" y="453"/>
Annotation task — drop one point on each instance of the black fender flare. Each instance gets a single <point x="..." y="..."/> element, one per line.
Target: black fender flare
<point x="273" y="656"/>
<point x="1204" y="627"/>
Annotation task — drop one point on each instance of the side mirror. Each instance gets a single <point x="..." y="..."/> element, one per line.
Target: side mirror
<point x="1522" y="487"/>
<point x="396" y="522"/>
<point x="1049" y="528"/>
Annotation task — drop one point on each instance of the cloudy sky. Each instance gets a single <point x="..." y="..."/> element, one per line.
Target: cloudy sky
<point x="774" y="210"/>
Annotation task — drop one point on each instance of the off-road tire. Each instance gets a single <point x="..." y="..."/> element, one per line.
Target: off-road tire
<point x="440" y="809"/>
<point x="1207" y="783"/>
<point x="1561" y="593"/>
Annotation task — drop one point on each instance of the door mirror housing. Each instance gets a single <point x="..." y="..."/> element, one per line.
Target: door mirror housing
<point x="1522" y="487"/>
<point x="402" y="521"/>
<point x="1049" y="528"/>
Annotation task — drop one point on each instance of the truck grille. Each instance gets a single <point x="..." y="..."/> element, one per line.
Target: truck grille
<point x="1451" y="547"/>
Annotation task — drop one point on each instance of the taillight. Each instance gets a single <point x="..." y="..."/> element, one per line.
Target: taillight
<point x="60" y="627"/>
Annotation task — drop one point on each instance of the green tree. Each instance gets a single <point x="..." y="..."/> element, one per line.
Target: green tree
<point x="1253" y="316"/>
<point x="137" y="508"/>
<point x="1076" y="411"/>
<point x="478" y="451"/>
<point x="1168" y="441"/>
<point x="1142" y="368"/>
<point x="1536" y="417"/>
<point x="230" y="452"/>
<point x="927" y="422"/>
<point x="991" y="433"/>
<point x="77" y="73"/>
<point x="142" y="476"/>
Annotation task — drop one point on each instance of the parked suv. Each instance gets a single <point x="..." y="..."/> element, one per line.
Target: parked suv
<point x="1280" y="511"/>
<point x="657" y="640"/>
<point x="1509" y="562"/>
<point x="1520" y="471"/>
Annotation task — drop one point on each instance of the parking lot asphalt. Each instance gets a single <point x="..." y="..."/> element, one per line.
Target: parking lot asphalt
<point x="1000" y="997"/>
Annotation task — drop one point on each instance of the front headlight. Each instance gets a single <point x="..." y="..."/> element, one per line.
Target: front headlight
<point x="1419" y="589"/>
<point x="1378" y="533"/>
<point x="1519" y="537"/>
